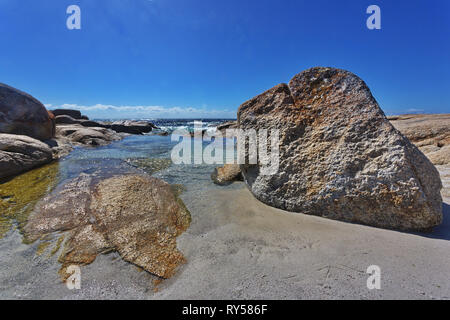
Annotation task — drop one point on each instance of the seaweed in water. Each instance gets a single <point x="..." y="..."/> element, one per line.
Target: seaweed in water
<point x="19" y="195"/>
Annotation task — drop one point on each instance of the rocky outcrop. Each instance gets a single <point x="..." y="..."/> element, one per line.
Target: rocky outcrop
<point x="138" y="216"/>
<point x="227" y="174"/>
<point x="21" y="153"/>
<point x="75" y="114"/>
<point x="429" y="132"/>
<point x="132" y="127"/>
<point x="340" y="158"/>
<point x="125" y="126"/>
<point x="22" y="114"/>
<point x="64" y="119"/>
<point x="90" y="136"/>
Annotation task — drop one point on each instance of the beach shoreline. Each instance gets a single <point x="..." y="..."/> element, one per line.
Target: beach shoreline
<point x="239" y="248"/>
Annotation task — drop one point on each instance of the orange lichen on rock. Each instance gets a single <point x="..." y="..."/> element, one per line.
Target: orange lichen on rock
<point x="138" y="216"/>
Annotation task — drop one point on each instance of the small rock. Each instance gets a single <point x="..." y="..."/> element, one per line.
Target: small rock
<point x="227" y="125"/>
<point x="227" y="174"/>
<point x="21" y="153"/>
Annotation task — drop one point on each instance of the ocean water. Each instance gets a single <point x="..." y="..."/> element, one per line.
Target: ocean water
<point x="170" y="125"/>
<point x="150" y="153"/>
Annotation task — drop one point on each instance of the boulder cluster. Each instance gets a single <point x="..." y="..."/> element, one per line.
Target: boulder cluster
<point x="31" y="136"/>
<point x="130" y="212"/>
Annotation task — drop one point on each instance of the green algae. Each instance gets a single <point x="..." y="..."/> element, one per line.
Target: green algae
<point x="151" y="165"/>
<point x="19" y="195"/>
<point x="42" y="246"/>
<point x="5" y="226"/>
<point x="177" y="190"/>
<point x="57" y="246"/>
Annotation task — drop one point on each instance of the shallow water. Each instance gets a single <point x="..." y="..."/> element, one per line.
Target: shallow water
<point x="148" y="153"/>
<point x="151" y="153"/>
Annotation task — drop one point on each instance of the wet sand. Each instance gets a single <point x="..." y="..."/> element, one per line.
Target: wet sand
<point x="239" y="248"/>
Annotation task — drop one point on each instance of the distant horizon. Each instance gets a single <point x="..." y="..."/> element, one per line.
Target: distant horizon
<point x="412" y="112"/>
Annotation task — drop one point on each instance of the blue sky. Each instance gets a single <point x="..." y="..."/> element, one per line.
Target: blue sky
<point x="203" y="58"/>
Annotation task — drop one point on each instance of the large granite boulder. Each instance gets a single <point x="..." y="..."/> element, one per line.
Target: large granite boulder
<point x="21" y="153"/>
<point x="340" y="157"/>
<point x="22" y="114"/>
<point x="136" y="215"/>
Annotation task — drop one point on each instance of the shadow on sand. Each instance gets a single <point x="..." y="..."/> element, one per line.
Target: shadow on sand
<point x="443" y="231"/>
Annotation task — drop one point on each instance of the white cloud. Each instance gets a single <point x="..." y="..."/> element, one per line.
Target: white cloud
<point x="415" y="110"/>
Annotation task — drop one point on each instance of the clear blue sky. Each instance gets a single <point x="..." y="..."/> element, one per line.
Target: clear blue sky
<point x="203" y="58"/>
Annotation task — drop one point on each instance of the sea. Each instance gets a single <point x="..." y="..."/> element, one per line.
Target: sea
<point x="151" y="153"/>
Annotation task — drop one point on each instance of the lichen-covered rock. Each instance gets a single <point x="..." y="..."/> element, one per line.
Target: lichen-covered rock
<point x="21" y="153"/>
<point x="226" y="174"/>
<point x="138" y="216"/>
<point x="340" y="157"/>
<point x="22" y="114"/>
